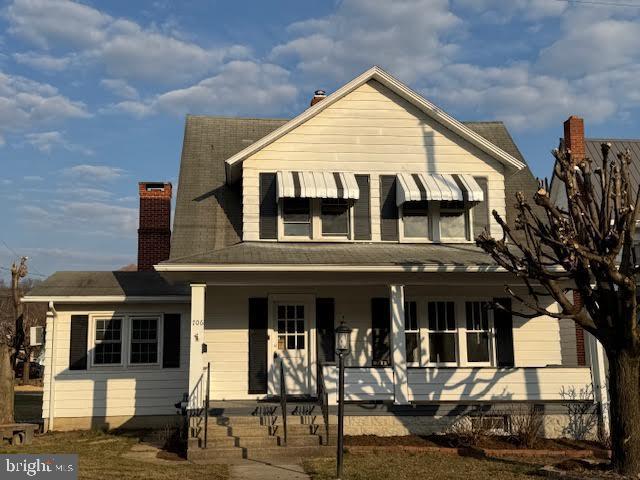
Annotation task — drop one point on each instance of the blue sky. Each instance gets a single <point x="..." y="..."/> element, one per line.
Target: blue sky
<point x="93" y="94"/>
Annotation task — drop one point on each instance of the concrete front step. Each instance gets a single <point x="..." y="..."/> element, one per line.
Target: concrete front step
<point x="302" y="429"/>
<point x="255" y="442"/>
<point x="213" y="442"/>
<point x="299" y="440"/>
<point x="214" y="455"/>
<point x="289" y="452"/>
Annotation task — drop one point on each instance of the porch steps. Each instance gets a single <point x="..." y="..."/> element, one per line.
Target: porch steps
<point x="261" y="437"/>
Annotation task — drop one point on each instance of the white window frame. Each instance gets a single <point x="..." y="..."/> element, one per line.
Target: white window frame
<point x="418" y="331"/>
<point x="159" y="320"/>
<point x="491" y="332"/>
<point x="434" y="221"/>
<point x="94" y="341"/>
<point x="125" y="338"/>
<point x="460" y="332"/>
<point x="316" y="225"/>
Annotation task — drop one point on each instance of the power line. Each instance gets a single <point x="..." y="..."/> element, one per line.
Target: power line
<point x="601" y="3"/>
<point x="37" y="272"/>
<point x="30" y="273"/>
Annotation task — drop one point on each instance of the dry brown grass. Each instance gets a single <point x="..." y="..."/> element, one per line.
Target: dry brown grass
<point x="413" y="465"/>
<point x="100" y="456"/>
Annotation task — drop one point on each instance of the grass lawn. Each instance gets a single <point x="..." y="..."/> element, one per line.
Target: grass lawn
<point x="100" y="458"/>
<point x="411" y="465"/>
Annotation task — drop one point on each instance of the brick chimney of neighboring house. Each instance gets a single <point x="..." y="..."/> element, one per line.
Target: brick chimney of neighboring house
<point x="154" y="232"/>
<point x="574" y="136"/>
<point x="574" y="141"/>
<point x="318" y="95"/>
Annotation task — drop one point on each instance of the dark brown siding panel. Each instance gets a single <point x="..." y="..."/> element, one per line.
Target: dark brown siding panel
<point x="78" y="346"/>
<point x="381" y="332"/>
<point x="268" y="206"/>
<point x="481" y="210"/>
<point x="171" y="341"/>
<point x="504" y="333"/>
<point x="258" y="320"/>
<point x="362" y="210"/>
<point x="388" y="208"/>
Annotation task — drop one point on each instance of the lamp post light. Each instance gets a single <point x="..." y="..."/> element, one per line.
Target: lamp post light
<point x="343" y="348"/>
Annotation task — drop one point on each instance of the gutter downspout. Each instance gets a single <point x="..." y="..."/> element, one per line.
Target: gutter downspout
<point x="50" y="343"/>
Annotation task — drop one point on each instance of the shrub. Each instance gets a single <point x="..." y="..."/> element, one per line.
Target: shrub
<point x="525" y="424"/>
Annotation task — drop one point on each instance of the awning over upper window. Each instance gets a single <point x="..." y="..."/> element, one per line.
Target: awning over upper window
<point x="413" y="187"/>
<point x="317" y="185"/>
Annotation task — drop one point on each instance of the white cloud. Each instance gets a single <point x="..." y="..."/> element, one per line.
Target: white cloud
<point x="46" y="142"/>
<point x="80" y="256"/>
<point x="501" y="11"/>
<point x="94" y="172"/>
<point x="119" y="87"/>
<point x="26" y="104"/>
<point x="43" y="62"/>
<point x="33" y="178"/>
<point x="123" y="47"/>
<point x="240" y="87"/>
<point x="88" y="217"/>
<point x="410" y="38"/>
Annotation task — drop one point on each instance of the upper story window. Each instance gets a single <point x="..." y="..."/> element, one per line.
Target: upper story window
<point x="335" y="216"/>
<point x="296" y="217"/>
<point x="436" y="207"/>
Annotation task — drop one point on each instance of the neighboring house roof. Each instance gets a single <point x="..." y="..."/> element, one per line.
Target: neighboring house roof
<point x="209" y="211"/>
<point x="311" y="256"/>
<point x="106" y="284"/>
<point x="392" y="83"/>
<point x="593" y="151"/>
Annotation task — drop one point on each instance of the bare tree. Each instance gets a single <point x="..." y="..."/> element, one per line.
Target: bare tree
<point x="587" y="247"/>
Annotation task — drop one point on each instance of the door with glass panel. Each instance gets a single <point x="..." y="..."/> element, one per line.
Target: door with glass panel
<point x="291" y="329"/>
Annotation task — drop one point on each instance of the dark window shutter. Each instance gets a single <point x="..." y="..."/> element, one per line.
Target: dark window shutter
<point x="381" y="332"/>
<point x="388" y="208"/>
<point x="78" y="346"/>
<point x="268" y="206"/>
<point x="362" y="210"/>
<point x="325" y="326"/>
<point x="504" y="333"/>
<point x="481" y="209"/>
<point x="258" y="323"/>
<point x="171" y="341"/>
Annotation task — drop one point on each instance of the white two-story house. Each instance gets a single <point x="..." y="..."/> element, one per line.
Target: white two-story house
<point x="363" y="209"/>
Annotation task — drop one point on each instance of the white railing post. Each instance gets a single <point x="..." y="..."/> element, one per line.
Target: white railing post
<point x="196" y="363"/>
<point x="398" y="345"/>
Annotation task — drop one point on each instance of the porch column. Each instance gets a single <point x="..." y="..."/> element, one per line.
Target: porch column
<point x="196" y="341"/>
<point x="398" y="344"/>
<point x="597" y="358"/>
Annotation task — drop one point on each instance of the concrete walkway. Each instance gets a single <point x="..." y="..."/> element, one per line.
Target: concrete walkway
<point x="252" y="469"/>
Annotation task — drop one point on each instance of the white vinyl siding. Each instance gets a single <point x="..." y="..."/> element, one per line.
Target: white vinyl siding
<point x="114" y="391"/>
<point x="370" y="131"/>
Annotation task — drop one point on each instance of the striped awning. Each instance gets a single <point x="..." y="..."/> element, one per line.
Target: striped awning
<point x="317" y="185"/>
<point x="413" y="187"/>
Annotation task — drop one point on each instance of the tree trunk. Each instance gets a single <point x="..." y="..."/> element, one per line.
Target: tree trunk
<point x="624" y="371"/>
<point x="6" y="385"/>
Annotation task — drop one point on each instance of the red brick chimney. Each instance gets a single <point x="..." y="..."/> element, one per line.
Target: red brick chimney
<point x="318" y="96"/>
<point x="154" y="232"/>
<point x="574" y="137"/>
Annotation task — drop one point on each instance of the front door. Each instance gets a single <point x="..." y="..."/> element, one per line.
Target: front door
<point x="291" y="329"/>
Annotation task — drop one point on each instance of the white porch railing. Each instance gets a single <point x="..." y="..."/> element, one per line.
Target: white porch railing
<point x="459" y="384"/>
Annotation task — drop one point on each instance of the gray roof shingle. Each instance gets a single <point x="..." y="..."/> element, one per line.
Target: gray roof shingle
<point x="132" y="284"/>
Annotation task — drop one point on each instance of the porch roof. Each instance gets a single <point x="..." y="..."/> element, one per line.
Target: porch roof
<point x="309" y="254"/>
<point x="117" y="285"/>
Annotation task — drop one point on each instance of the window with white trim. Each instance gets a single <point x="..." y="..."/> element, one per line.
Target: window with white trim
<point x="416" y="220"/>
<point x="144" y="340"/>
<point x="442" y="332"/>
<point x="454" y="221"/>
<point x="296" y="217"/>
<point x="107" y="348"/>
<point x="478" y="332"/>
<point x="335" y="217"/>
<point x="412" y="333"/>
<point x="291" y="329"/>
